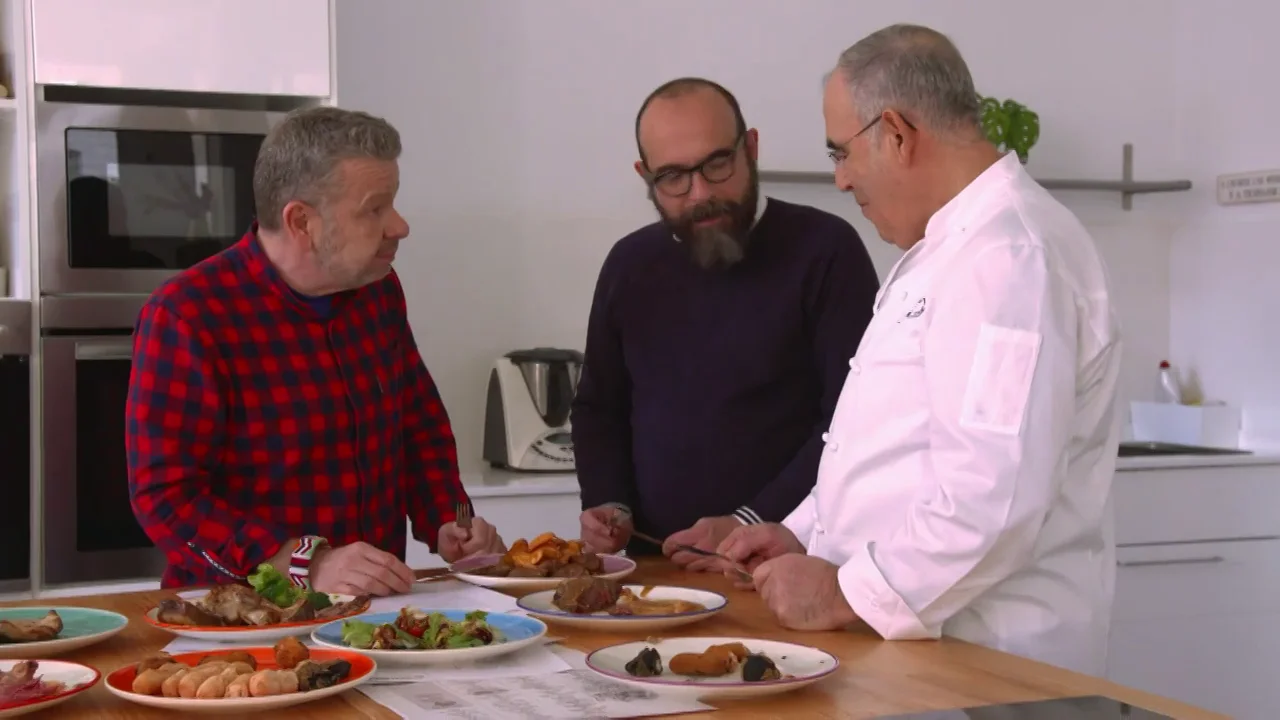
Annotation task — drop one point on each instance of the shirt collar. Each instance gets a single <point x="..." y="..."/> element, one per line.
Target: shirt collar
<point x="266" y="275"/>
<point x="970" y="202"/>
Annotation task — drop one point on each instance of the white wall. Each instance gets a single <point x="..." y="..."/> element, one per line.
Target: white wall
<point x="1226" y="260"/>
<point x="518" y="118"/>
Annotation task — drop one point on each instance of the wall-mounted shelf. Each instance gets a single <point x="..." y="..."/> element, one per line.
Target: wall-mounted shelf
<point x="1126" y="185"/>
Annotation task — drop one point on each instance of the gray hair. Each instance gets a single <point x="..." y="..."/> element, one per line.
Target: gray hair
<point x="914" y="70"/>
<point x="300" y="155"/>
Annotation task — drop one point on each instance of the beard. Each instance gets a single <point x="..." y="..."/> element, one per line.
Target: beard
<point x="717" y="246"/>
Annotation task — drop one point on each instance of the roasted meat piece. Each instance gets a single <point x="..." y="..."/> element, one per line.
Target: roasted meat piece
<point x="240" y="605"/>
<point x="20" y="684"/>
<point x="343" y="608"/>
<point x="24" y="631"/>
<point x="571" y="570"/>
<point x="502" y="568"/>
<point x="585" y="595"/>
<point x="176" y="611"/>
<point x="22" y="672"/>
<point x="300" y="611"/>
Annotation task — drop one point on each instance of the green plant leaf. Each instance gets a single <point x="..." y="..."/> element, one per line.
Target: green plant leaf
<point x="1009" y="125"/>
<point x="995" y="121"/>
<point x="1024" y="131"/>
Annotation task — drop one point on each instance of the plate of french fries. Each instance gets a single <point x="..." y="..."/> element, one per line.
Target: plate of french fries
<point x="541" y="563"/>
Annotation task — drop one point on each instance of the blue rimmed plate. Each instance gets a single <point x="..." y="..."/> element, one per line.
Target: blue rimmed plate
<point x="81" y="627"/>
<point x="690" y="605"/>
<point x="513" y="633"/>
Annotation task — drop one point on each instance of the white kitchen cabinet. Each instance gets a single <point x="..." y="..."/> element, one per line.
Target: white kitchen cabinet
<point x="1197" y="606"/>
<point x="257" y="47"/>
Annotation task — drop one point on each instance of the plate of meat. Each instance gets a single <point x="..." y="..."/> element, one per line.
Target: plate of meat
<point x="30" y="685"/>
<point x="427" y="637"/>
<point x="604" y="605"/>
<point x="34" y="632"/>
<point x="714" y="668"/>
<point x="539" y="564"/>
<point x="268" y="609"/>
<point x="240" y="681"/>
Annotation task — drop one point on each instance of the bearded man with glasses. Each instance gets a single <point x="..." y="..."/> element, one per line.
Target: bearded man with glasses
<point x="717" y="343"/>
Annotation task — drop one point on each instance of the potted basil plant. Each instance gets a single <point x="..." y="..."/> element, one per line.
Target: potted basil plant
<point x="1009" y="125"/>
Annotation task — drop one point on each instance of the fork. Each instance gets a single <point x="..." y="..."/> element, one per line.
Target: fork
<point x="462" y="518"/>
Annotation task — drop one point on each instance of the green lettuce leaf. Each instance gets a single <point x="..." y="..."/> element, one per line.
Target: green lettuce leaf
<point x="358" y="634"/>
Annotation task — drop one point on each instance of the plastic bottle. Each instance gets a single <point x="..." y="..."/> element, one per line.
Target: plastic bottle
<point x="1170" y="385"/>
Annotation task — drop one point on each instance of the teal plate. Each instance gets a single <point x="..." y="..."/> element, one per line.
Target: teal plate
<point x="81" y="627"/>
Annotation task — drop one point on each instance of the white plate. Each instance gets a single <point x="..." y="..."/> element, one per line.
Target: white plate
<point x="81" y="627"/>
<point x="120" y="681"/>
<point x="803" y="664"/>
<point x="516" y="633"/>
<point x="242" y="635"/>
<point x="539" y="605"/>
<point x="616" y="567"/>
<point x="76" y="677"/>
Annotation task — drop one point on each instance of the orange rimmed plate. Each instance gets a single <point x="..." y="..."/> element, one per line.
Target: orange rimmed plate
<point x="249" y="633"/>
<point x="75" y="678"/>
<point x="120" y="683"/>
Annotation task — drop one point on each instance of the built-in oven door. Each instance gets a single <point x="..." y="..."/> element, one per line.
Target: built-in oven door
<point x="15" y="445"/>
<point x="127" y="196"/>
<point x="90" y="532"/>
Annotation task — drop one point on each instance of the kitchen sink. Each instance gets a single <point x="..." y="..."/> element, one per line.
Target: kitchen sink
<point x="1153" y="449"/>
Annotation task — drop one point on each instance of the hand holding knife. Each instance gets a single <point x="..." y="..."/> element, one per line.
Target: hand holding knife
<point x="738" y="570"/>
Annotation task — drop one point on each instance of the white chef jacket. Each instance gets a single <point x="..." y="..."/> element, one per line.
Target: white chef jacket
<point x="965" y="485"/>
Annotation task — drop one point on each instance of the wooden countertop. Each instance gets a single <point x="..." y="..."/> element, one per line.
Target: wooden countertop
<point x="876" y="678"/>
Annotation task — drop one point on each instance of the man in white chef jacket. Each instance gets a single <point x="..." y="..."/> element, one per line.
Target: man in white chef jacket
<point x="965" y="486"/>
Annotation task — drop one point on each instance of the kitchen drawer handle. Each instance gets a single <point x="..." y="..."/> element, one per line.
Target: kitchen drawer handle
<point x="108" y="351"/>
<point x="1174" y="561"/>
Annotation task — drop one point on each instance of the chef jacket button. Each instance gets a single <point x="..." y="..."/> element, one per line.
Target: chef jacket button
<point x="855" y="368"/>
<point x="833" y="446"/>
<point x="826" y="436"/>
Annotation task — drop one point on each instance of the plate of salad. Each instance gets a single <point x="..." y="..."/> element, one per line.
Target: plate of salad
<point x="427" y="637"/>
<point x="268" y="608"/>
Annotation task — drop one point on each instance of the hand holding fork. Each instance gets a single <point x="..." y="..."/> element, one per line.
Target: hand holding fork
<point x="468" y="535"/>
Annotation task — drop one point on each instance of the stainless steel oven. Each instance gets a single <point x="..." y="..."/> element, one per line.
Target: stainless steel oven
<point x="15" y="445"/>
<point x="89" y="530"/>
<point x="129" y="195"/>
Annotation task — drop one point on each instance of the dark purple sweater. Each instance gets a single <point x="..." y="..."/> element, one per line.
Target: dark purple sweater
<point x="706" y="392"/>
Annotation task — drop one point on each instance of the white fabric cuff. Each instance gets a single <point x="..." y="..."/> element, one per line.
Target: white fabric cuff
<point x="878" y="604"/>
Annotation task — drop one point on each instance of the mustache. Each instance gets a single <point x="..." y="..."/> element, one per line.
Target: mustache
<point x="710" y="210"/>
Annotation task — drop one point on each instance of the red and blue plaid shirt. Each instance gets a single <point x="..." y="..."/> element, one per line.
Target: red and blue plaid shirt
<point x="253" y="419"/>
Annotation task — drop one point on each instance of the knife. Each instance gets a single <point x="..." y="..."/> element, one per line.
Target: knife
<point x="738" y="570"/>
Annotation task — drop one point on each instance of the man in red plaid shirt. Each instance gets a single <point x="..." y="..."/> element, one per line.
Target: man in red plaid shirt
<point x="279" y="411"/>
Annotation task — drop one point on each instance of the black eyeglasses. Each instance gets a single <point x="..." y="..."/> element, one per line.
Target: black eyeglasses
<point x="718" y="167"/>
<point x="838" y="155"/>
